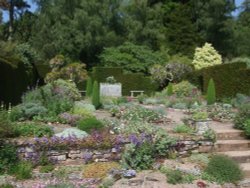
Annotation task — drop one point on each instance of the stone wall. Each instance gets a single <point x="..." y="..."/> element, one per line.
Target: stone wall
<point x="188" y="145"/>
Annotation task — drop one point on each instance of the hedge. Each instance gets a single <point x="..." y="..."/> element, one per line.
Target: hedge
<point x="14" y="80"/>
<point x="129" y="81"/>
<point x="229" y="79"/>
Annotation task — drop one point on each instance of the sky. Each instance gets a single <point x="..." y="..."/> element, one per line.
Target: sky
<point x="33" y="8"/>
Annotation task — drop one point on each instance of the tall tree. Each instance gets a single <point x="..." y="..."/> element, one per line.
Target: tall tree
<point x="13" y="6"/>
<point x="181" y="32"/>
<point x="214" y="21"/>
<point x="78" y="29"/>
<point x="243" y="30"/>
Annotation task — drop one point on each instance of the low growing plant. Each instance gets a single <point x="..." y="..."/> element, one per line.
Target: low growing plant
<point x="32" y="129"/>
<point x="242" y="115"/>
<point x="90" y="124"/>
<point x="23" y="170"/>
<point x="138" y="157"/>
<point x="223" y="169"/>
<point x="200" y="116"/>
<point x="47" y="168"/>
<point x="182" y="128"/>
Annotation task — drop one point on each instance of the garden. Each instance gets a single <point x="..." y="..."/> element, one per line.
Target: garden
<point x="58" y="138"/>
<point x="124" y="94"/>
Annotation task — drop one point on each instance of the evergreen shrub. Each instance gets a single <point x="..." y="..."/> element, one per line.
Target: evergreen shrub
<point x="211" y="93"/>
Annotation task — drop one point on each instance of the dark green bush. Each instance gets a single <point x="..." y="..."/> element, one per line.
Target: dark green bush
<point x="211" y="93"/>
<point x="89" y="87"/>
<point x="223" y="169"/>
<point x="170" y="89"/>
<point x="8" y="157"/>
<point x="229" y="79"/>
<point x="14" y="80"/>
<point x="242" y="115"/>
<point x="96" y="95"/>
<point x="33" y="130"/>
<point x="89" y="124"/>
<point x="23" y="170"/>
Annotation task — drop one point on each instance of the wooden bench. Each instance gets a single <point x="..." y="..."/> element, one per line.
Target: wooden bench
<point x="136" y="91"/>
<point x="83" y="92"/>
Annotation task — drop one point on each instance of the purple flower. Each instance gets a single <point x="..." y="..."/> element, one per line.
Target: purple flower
<point x="134" y="139"/>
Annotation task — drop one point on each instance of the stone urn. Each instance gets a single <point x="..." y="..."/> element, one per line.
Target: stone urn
<point x="201" y="126"/>
<point x="200" y="122"/>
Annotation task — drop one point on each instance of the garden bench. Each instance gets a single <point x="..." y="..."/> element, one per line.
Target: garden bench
<point x="83" y="92"/>
<point x="136" y="91"/>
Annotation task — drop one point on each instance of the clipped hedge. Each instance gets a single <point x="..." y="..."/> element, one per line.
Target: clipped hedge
<point x="129" y="81"/>
<point x="14" y="81"/>
<point x="229" y="79"/>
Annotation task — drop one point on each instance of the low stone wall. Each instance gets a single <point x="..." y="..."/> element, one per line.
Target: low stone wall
<point x="83" y="154"/>
<point x="186" y="145"/>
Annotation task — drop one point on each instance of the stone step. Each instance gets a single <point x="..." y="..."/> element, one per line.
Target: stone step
<point x="238" y="156"/>
<point x="232" y="145"/>
<point x="246" y="169"/>
<point x="231" y="134"/>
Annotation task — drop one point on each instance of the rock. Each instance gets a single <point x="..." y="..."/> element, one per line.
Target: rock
<point x="71" y="132"/>
<point x="155" y="177"/>
<point x="58" y="157"/>
<point x="42" y="175"/>
<point x="129" y="173"/>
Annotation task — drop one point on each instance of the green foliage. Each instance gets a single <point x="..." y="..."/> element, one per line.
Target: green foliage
<point x="246" y="126"/>
<point x="162" y="143"/>
<point x="182" y="36"/>
<point x="23" y="170"/>
<point x="27" y="55"/>
<point x="46" y="102"/>
<point x="33" y="130"/>
<point x="224" y="169"/>
<point x="240" y="99"/>
<point x="206" y="56"/>
<point x="200" y="116"/>
<point x="221" y="112"/>
<point x="7" y="186"/>
<point x="241" y="117"/>
<point x="96" y="95"/>
<point x="170" y="89"/>
<point x="140" y="157"/>
<point x="6" y="127"/>
<point x="89" y="87"/>
<point x="133" y="58"/>
<point x="210" y="135"/>
<point x="74" y="72"/>
<point x="175" y="177"/>
<point x="182" y="128"/>
<point x="211" y="93"/>
<point x="8" y="157"/>
<point x="90" y="124"/>
<point x="185" y="89"/>
<point x="229" y="79"/>
<point x="46" y="169"/>
<point x="14" y="72"/>
<point x="138" y="113"/>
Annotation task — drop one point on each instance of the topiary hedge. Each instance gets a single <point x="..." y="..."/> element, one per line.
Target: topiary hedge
<point x="129" y="81"/>
<point x="14" y="80"/>
<point x="229" y="79"/>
